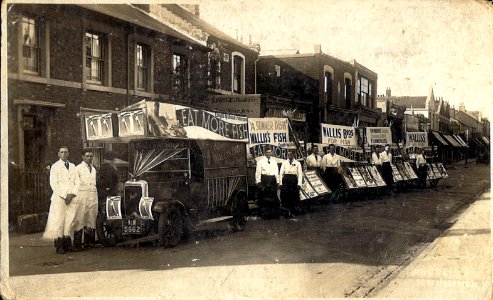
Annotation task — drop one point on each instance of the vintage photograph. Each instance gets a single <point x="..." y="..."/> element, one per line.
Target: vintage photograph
<point x="246" y="149"/>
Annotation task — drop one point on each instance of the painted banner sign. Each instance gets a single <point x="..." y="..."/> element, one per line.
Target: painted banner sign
<point x="416" y="139"/>
<point x="378" y="135"/>
<point x="313" y="186"/>
<point x="98" y="126"/>
<point x="176" y="121"/>
<point x="248" y="105"/>
<point x="348" y="154"/>
<point x="338" y="135"/>
<point x="268" y="132"/>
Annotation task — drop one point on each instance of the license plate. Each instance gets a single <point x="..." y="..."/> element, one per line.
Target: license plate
<point x="132" y="226"/>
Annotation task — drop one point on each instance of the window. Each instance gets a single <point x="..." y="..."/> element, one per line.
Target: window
<point x="30" y="45"/>
<point x="278" y="70"/>
<point x="328" y="87"/>
<point x="94" y="57"/>
<point x="364" y="92"/>
<point x="237" y="74"/>
<point x="347" y="92"/>
<point x="180" y="72"/>
<point x="142" y="66"/>
<point x="214" y="70"/>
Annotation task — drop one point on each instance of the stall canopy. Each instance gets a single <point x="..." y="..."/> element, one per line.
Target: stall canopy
<point x="460" y="140"/>
<point x="439" y="138"/>
<point x="452" y="141"/>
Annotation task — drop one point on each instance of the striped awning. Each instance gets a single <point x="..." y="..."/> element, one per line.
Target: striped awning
<point x="460" y="140"/>
<point x="452" y="141"/>
<point x="439" y="138"/>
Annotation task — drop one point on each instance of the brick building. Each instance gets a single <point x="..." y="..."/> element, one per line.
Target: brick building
<point x="63" y="57"/>
<point x="340" y="92"/>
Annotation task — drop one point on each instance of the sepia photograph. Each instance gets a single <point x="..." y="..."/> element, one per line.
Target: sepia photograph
<point x="258" y="149"/>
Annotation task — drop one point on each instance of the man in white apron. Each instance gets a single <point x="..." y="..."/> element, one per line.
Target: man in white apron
<point x="63" y="201"/>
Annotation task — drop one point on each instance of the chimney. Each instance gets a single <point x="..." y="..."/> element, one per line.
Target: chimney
<point x="318" y="48"/>
<point x="388" y="92"/>
<point x="462" y="107"/>
<point x="193" y="8"/>
<point x="249" y="39"/>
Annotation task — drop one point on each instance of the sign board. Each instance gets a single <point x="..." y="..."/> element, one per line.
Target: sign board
<point x="403" y="171"/>
<point x="360" y="181"/>
<point x="247" y="105"/>
<point x="313" y="186"/>
<point x="431" y="175"/>
<point x="410" y="170"/>
<point x="177" y="121"/>
<point x="378" y="135"/>
<point x="376" y="176"/>
<point x="348" y="179"/>
<point x="370" y="182"/>
<point x="417" y="139"/>
<point x="395" y="172"/>
<point x="338" y="135"/>
<point x="268" y="132"/>
<point x="436" y="171"/>
<point x="281" y="113"/>
<point x="442" y="170"/>
<point x="131" y="123"/>
<point x="98" y="126"/>
<point x="347" y="154"/>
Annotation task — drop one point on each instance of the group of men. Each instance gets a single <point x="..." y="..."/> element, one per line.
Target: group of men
<point x="74" y="202"/>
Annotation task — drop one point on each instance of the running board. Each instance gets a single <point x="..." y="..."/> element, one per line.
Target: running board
<point x="213" y="220"/>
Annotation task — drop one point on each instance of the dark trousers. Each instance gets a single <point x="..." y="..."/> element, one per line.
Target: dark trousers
<point x="422" y="175"/>
<point x="387" y="175"/>
<point x="290" y="194"/>
<point x="332" y="178"/>
<point x="267" y="194"/>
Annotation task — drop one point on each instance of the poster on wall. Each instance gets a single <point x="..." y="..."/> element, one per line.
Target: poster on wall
<point x="376" y="176"/>
<point x="268" y="132"/>
<point x="338" y="135"/>
<point x="177" y="121"/>
<point x="416" y="139"/>
<point x="98" y="126"/>
<point x="378" y="136"/>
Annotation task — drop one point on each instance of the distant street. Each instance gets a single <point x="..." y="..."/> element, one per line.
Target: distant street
<point x="337" y="250"/>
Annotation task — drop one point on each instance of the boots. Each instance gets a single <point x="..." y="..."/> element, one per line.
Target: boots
<point x="89" y="237"/>
<point x="66" y="243"/>
<point x="77" y="241"/>
<point x="58" y="242"/>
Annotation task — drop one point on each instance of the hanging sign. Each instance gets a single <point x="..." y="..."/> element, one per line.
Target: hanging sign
<point x="378" y="135"/>
<point x="416" y="139"/>
<point x="98" y="126"/>
<point x="338" y="135"/>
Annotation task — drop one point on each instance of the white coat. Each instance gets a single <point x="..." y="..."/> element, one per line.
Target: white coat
<point x="62" y="182"/>
<point x="87" y="194"/>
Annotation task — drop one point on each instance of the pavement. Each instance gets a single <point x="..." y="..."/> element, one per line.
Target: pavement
<point x="457" y="265"/>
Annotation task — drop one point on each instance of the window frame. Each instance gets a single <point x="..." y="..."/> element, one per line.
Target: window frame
<point x="184" y="85"/>
<point x="241" y="83"/>
<point x="37" y="46"/>
<point x="102" y="60"/>
<point x="145" y="68"/>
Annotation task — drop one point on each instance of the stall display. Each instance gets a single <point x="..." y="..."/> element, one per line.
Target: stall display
<point x="360" y="181"/>
<point x="370" y="182"/>
<point x="402" y="170"/>
<point x="436" y="171"/>
<point x="396" y="174"/>
<point x="376" y="176"/>
<point x="410" y="170"/>
<point x="313" y="186"/>
<point x="348" y="178"/>
<point x="442" y="170"/>
<point x="431" y="175"/>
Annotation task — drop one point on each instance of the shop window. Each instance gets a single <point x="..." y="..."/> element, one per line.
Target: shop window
<point x="180" y="72"/>
<point x="31" y="51"/>
<point x="238" y="73"/>
<point x="214" y="69"/>
<point x="347" y="92"/>
<point x="142" y="66"/>
<point x="94" y="57"/>
<point x="328" y="87"/>
<point x="364" y="92"/>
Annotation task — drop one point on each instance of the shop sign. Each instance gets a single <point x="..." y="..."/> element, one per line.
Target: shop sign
<point x="416" y="139"/>
<point x="338" y="135"/>
<point x="378" y="135"/>
<point x="247" y="105"/>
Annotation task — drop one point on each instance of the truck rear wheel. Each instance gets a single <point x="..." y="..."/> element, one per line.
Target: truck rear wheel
<point x="170" y="227"/>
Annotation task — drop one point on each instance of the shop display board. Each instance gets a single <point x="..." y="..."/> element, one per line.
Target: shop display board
<point x="376" y="176"/>
<point x="360" y="182"/>
<point x="436" y="171"/>
<point x="396" y="174"/>
<point x="442" y="170"/>
<point x="400" y="167"/>
<point x="313" y="186"/>
<point x="410" y="170"/>
<point x="370" y="182"/>
<point x="431" y="175"/>
<point x="348" y="179"/>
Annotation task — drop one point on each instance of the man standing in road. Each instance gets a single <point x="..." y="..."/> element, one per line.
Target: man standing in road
<point x="422" y="168"/>
<point x="291" y="179"/>
<point x="63" y="183"/>
<point x="267" y="180"/>
<point x="88" y="196"/>
<point x="314" y="160"/>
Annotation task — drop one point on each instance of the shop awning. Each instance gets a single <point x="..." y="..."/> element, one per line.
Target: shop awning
<point x="485" y="139"/>
<point x="460" y="140"/>
<point x="452" y="141"/>
<point x="439" y="138"/>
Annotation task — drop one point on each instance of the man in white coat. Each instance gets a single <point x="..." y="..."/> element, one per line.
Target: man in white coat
<point x="267" y="179"/>
<point x="63" y="183"/>
<point x="88" y="197"/>
<point x="291" y="178"/>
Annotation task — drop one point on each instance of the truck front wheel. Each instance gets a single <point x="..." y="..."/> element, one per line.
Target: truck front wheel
<point x="170" y="228"/>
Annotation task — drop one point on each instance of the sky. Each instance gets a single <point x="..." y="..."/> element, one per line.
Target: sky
<point x="412" y="45"/>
